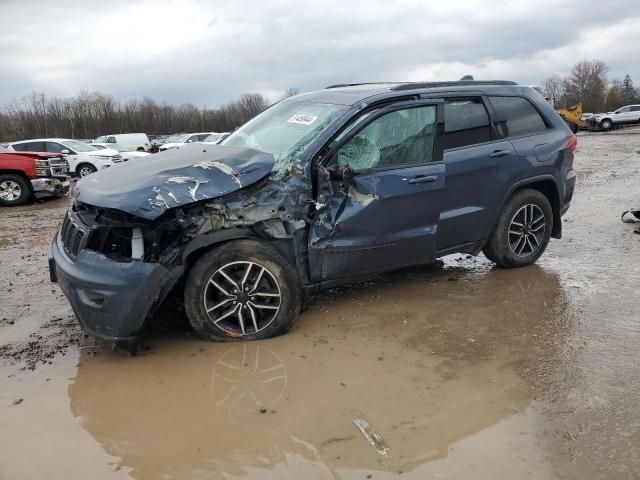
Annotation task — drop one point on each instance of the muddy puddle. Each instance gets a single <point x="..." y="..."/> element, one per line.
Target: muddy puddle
<point x="415" y="367"/>
<point x="453" y="371"/>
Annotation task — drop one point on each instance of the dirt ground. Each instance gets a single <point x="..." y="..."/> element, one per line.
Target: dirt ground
<point x="463" y="370"/>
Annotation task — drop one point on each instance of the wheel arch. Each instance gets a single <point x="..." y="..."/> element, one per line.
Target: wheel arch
<point x="204" y="243"/>
<point x="21" y="174"/>
<point x="547" y="185"/>
<point x="81" y="163"/>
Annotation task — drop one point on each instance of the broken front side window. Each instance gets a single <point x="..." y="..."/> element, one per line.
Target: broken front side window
<point x="403" y="137"/>
<point x="285" y="130"/>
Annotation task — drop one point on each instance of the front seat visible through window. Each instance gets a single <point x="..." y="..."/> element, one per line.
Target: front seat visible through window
<point x="403" y="137"/>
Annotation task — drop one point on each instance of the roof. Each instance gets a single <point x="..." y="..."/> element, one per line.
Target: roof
<point x="350" y="94"/>
<point x="43" y="140"/>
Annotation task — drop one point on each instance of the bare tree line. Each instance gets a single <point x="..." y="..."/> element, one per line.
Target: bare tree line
<point x="588" y="83"/>
<point x="91" y="114"/>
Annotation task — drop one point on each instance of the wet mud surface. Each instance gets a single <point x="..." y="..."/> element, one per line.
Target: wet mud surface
<point x="460" y="370"/>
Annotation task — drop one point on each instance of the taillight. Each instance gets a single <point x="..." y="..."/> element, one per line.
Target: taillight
<point x="572" y="143"/>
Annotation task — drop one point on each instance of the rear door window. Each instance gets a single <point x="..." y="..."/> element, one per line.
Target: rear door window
<point x="466" y="122"/>
<point x="516" y="116"/>
<point x="31" y="147"/>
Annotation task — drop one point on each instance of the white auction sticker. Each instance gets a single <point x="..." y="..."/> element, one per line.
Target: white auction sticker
<point x="302" y="119"/>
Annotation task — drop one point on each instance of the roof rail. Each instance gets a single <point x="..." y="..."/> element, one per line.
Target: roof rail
<point x="339" y="85"/>
<point x="459" y="83"/>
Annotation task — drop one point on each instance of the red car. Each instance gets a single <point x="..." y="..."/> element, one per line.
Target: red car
<point x="25" y="175"/>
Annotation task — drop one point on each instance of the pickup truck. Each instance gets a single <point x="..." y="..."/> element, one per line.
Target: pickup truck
<point x="25" y="175"/>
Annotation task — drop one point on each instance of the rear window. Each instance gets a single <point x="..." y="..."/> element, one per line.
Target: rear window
<point x="517" y="116"/>
<point x="466" y="122"/>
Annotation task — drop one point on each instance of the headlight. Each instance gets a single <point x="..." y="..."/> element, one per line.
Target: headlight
<point x="104" y="158"/>
<point x="41" y="167"/>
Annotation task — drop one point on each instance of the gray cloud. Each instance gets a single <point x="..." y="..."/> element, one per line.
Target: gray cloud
<point x="209" y="52"/>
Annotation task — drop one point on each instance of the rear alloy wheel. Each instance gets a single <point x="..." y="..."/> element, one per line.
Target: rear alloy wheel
<point x="242" y="290"/>
<point x="14" y="190"/>
<point x="606" y="124"/>
<point x="523" y="230"/>
<point x="527" y="230"/>
<point x="86" y="169"/>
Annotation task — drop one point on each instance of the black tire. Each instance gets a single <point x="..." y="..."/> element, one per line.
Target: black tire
<point x="502" y="247"/>
<point x="606" y="124"/>
<point x="200" y="293"/>
<point x="14" y="190"/>
<point x="85" y="167"/>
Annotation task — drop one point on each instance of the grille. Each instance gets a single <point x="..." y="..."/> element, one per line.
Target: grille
<point x="73" y="237"/>
<point x="59" y="168"/>
<point x="117" y="159"/>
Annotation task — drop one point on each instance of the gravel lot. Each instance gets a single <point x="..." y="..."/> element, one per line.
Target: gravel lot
<point x="464" y="370"/>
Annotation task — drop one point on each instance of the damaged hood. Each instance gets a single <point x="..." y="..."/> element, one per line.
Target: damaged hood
<point x="173" y="178"/>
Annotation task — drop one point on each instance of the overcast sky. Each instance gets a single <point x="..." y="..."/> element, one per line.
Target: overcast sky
<point x="209" y="52"/>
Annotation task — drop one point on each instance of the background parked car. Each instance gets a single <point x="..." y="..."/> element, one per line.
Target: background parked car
<point x="83" y="159"/>
<point x="176" y="140"/>
<point x="125" y="153"/>
<point x="627" y="115"/>
<point x="24" y="175"/>
<point x="130" y="141"/>
<point x="215" y="137"/>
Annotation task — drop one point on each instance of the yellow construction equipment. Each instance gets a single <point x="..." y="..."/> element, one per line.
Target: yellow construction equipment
<point x="573" y="117"/>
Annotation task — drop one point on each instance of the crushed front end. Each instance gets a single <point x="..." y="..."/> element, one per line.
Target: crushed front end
<point x="93" y="259"/>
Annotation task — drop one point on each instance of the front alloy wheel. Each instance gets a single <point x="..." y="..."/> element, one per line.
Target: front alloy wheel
<point x="242" y="298"/>
<point x="242" y="290"/>
<point x="14" y="190"/>
<point x="85" y="170"/>
<point x="10" y="191"/>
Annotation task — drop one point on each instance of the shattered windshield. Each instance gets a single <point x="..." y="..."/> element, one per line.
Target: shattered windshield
<point x="285" y="130"/>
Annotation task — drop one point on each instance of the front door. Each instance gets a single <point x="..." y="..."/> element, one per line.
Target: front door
<point x="384" y="215"/>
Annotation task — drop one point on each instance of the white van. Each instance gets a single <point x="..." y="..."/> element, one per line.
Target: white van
<point x="131" y="141"/>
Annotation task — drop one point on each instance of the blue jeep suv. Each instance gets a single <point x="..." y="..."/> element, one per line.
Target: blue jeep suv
<point x="321" y="188"/>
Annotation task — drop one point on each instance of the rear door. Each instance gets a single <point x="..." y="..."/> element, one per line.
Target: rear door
<point x="385" y="215"/>
<point x="477" y="166"/>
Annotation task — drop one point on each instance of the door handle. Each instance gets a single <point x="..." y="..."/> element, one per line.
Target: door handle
<point x="423" y="179"/>
<point x="500" y="153"/>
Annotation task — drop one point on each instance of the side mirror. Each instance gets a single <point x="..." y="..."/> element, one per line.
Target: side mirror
<point x="64" y="152"/>
<point x="340" y="173"/>
<point x="189" y="141"/>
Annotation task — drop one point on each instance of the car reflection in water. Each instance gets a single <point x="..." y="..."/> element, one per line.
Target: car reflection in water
<point x="425" y="361"/>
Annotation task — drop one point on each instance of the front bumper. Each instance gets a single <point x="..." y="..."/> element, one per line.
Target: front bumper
<point x="43" y="187"/>
<point x="110" y="299"/>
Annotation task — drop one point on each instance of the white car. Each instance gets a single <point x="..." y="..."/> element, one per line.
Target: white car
<point x="178" y="140"/>
<point x="215" y="138"/>
<point x="83" y="159"/>
<point x="126" y="154"/>
<point x="627" y="115"/>
<point x="132" y="142"/>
